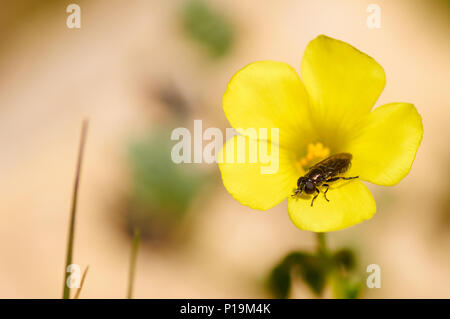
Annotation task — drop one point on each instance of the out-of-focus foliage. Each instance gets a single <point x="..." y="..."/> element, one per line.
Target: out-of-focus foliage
<point x="280" y="281"/>
<point x="208" y="27"/>
<point x="162" y="191"/>
<point x="311" y="268"/>
<point x="316" y="270"/>
<point x="344" y="258"/>
<point x="346" y="287"/>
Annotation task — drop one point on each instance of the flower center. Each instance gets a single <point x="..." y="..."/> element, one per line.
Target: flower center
<point x="315" y="152"/>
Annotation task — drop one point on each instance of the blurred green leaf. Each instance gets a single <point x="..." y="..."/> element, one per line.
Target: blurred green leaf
<point x="311" y="268"/>
<point x="280" y="281"/>
<point x="158" y="181"/>
<point x="315" y="269"/>
<point x="346" y="287"/>
<point x="208" y="27"/>
<point x="345" y="258"/>
<point x="162" y="191"/>
<point x="314" y="272"/>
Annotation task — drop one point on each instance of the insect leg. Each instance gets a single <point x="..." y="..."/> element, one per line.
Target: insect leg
<point x="347" y="178"/>
<point x="297" y="192"/>
<point x="325" y="193"/>
<point x="318" y="192"/>
<point x="336" y="178"/>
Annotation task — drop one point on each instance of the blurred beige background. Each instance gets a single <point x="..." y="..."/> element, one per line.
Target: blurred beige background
<point x="52" y="77"/>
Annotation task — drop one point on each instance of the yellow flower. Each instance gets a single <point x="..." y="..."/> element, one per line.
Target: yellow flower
<point x="326" y="112"/>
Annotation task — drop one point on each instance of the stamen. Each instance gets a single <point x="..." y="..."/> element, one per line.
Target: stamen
<point x="315" y="153"/>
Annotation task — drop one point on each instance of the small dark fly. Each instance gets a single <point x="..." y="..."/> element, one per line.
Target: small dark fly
<point x="323" y="173"/>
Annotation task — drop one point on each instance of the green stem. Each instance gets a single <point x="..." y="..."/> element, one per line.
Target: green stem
<point x="321" y="244"/>
<point x="133" y="259"/>
<point x="70" y="241"/>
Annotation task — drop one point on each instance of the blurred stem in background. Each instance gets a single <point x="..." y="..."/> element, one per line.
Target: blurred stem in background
<point x="133" y="260"/>
<point x="83" y="278"/>
<point x="317" y="270"/>
<point x="70" y="241"/>
<point x="322" y="245"/>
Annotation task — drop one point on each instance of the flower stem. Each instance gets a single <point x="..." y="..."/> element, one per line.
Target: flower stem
<point x="133" y="258"/>
<point x="321" y="244"/>
<point x="70" y="241"/>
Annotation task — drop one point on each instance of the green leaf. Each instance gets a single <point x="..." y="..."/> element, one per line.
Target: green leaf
<point x="315" y="269"/>
<point x="161" y="191"/>
<point x="208" y="27"/>
<point x="312" y="269"/>
<point x="346" y="287"/>
<point x="280" y="281"/>
<point x="345" y="258"/>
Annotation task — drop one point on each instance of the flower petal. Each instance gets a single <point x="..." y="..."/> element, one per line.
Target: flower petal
<point x="342" y="82"/>
<point x="384" y="150"/>
<point x="350" y="203"/>
<point x="246" y="182"/>
<point x="268" y="94"/>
